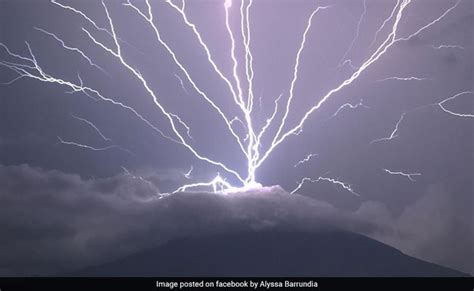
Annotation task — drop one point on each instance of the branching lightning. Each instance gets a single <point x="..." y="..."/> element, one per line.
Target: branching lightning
<point x="390" y="17"/>
<point x="436" y="20"/>
<point x="181" y="83"/>
<point x="409" y="176"/>
<point x="218" y="184"/>
<point x="92" y="125"/>
<point x="128" y="173"/>
<point x="187" y="175"/>
<point x="295" y="73"/>
<point x="349" y="105"/>
<point x="349" y="63"/>
<point x="99" y="132"/>
<point x="381" y="50"/>
<point x="85" y="146"/>
<point x="441" y="105"/>
<point x="394" y="133"/>
<point x="240" y="86"/>
<point x="356" y="36"/>
<point x="306" y="159"/>
<point x="334" y="181"/>
<point x="63" y="44"/>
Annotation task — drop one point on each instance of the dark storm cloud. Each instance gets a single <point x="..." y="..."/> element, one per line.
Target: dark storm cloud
<point x="52" y="222"/>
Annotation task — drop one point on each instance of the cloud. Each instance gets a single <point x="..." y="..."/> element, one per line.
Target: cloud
<point x="54" y="222"/>
<point x="437" y="228"/>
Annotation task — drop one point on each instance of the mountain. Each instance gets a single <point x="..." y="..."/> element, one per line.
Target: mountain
<point x="271" y="253"/>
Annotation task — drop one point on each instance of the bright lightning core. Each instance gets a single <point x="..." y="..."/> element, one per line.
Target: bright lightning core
<point x="240" y="85"/>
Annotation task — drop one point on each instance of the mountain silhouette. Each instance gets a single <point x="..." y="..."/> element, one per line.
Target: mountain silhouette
<point x="271" y="253"/>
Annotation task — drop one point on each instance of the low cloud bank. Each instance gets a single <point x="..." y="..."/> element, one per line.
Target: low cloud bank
<point x="54" y="222"/>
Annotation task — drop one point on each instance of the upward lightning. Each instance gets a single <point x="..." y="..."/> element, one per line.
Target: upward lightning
<point x="295" y="72"/>
<point x="380" y="51"/>
<point x="63" y="44"/>
<point x="394" y="133"/>
<point x="361" y="18"/>
<point x="390" y="17"/>
<point x="239" y="83"/>
<point x="92" y="125"/>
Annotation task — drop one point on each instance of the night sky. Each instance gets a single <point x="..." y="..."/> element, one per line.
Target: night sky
<point x="65" y="206"/>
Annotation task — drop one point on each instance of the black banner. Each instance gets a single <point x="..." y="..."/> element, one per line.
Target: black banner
<point x="138" y="284"/>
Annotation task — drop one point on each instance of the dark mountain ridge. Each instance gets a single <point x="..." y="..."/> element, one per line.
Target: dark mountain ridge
<point x="326" y="253"/>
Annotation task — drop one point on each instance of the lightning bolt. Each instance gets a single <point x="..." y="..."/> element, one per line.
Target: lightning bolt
<point x="251" y="147"/>
<point x="156" y="195"/>
<point x="447" y="46"/>
<point x="349" y="63"/>
<point x="394" y="133"/>
<point x="409" y="176"/>
<point x="361" y="18"/>
<point x="187" y="175"/>
<point x="36" y="72"/>
<point x="306" y="159"/>
<point x="181" y="83"/>
<point x="295" y="73"/>
<point x="128" y="173"/>
<point x="99" y="132"/>
<point x="349" y="105"/>
<point x="118" y="54"/>
<point x="84" y="146"/>
<point x="249" y="150"/>
<point x="210" y="59"/>
<point x="389" y="41"/>
<point x="334" y="181"/>
<point x="403" y="79"/>
<point x="245" y="29"/>
<point x="436" y="20"/>
<point x="82" y="14"/>
<point x="384" y="23"/>
<point x="183" y="124"/>
<point x="81" y="89"/>
<point x="441" y="105"/>
<point x="218" y="184"/>
<point x="63" y="44"/>
<point x="89" y="123"/>
<point x="267" y="124"/>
